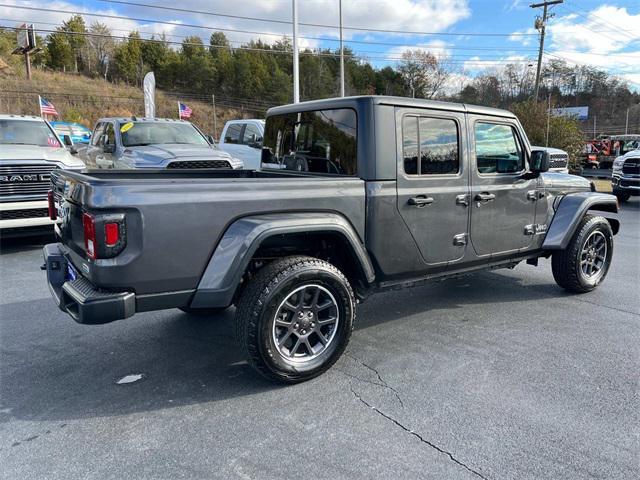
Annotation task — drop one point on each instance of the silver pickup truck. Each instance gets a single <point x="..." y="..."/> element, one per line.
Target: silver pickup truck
<point x="29" y="151"/>
<point x="131" y="142"/>
<point x="366" y="194"/>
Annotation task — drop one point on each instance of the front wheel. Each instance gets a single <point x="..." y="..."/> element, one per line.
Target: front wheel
<point x="295" y="318"/>
<point x="584" y="264"/>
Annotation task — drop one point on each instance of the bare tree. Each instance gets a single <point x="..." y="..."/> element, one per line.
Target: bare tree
<point x="423" y="73"/>
<point x="101" y="46"/>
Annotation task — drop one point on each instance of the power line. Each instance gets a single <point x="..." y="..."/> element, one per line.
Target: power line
<point x="360" y="29"/>
<point x="361" y="56"/>
<point x="324" y="39"/>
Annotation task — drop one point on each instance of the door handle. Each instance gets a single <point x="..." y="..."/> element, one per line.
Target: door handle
<point x="462" y="200"/>
<point x="485" y="197"/>
<point x="420" y="201"/>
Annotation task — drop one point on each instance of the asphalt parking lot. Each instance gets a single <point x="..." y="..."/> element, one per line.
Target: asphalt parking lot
<point x="500" y="375"/>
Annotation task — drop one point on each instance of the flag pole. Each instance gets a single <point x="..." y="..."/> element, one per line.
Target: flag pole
<point x="178" y="109"/>
<point x="40" y="105"/>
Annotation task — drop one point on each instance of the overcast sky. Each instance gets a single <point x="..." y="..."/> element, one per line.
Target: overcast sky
<point x="604" y="34"/>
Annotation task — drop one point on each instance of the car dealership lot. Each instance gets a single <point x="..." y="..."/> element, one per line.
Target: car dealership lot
<point x="499" y="375"/>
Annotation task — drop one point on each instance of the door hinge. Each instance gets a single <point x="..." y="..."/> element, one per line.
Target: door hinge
<point x="462" y="200"/>
<point x="460" y="239"/>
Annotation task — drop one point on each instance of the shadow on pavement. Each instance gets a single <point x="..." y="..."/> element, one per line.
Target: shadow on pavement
<point x="54" y="369"/>
<point x="22" y="243"/>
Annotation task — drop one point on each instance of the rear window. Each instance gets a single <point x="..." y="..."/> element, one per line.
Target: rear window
<point x="321" y="141"/>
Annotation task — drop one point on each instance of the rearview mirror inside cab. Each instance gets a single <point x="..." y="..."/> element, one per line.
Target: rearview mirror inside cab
<point x="539" y="161"/>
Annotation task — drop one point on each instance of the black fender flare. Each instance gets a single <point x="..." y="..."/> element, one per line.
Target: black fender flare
<point x="242" y="238"/>
<point x="570" y="211"/>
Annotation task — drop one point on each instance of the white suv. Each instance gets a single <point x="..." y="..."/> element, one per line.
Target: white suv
<point x="29" y="150"/>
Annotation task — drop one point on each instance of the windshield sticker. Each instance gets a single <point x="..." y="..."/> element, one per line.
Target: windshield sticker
<point x="126" y="127"/>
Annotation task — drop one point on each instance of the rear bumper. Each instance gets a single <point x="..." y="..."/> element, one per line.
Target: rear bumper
<point x="84" y="302"/>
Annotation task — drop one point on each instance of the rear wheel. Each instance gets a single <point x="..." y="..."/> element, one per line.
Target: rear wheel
<point x="584" y="264"/>
<point x="295" y="318"/>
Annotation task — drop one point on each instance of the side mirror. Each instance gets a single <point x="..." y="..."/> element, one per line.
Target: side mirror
<point x="109" y="148"/>
<point x="539" y="161"/>
<point x="66" y="139"/>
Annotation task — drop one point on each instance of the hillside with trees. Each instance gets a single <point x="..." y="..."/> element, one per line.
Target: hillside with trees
<point x="250" y="78"/>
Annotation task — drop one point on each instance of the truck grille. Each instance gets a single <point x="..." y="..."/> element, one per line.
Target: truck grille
<point x="22" y="214"/>
<point x="631" y="166"/>
<point x="200" y="164"/>
<point x="557" y="160"/>
<point x="25" y="180"/>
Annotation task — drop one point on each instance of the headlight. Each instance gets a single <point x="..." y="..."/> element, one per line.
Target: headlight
<point x="618" y="163"/>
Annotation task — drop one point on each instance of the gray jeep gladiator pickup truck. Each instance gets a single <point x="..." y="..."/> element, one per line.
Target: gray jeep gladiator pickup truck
<point x="360" y="194"/>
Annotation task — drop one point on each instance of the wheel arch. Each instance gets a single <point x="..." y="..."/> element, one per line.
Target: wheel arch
<point x="572" y="208"/>
<point x="253" y="235"/>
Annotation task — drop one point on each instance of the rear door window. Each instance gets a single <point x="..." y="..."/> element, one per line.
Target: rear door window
<point x="430" y="146"/>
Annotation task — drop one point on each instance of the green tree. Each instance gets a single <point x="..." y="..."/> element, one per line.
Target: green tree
<point x="563" y="132"/>
<point x="77" y="39"/>
<point x="128" y="59"/>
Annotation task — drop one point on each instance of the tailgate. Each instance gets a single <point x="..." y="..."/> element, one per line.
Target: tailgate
<point x="67" y="190"/>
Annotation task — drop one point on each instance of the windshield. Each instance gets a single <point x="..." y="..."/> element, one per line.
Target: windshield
<point x="322" y="141"/>
<point x="146" y="133"/>
<point x="27" y="132"/>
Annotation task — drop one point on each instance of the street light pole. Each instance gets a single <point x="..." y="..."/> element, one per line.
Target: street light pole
<point x="296" y="73"/>
<point x="341" y="52"/>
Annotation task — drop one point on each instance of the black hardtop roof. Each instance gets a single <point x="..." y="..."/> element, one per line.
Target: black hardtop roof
<point x="387" y="100"/>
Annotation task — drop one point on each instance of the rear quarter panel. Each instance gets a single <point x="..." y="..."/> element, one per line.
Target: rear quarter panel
<point x="181" y="221"/>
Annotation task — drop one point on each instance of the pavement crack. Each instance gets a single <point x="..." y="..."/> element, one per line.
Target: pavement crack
<point x="417" y="435"/>
<point x="382" y="382"/>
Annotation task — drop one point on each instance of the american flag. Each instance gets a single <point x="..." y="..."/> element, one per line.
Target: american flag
<point x="184" y="110"/>
<point x="47" y="107"/>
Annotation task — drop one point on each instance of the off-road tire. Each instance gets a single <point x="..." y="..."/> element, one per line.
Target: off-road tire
<point x="565" y="264"/>
<point x="260" y="301"/>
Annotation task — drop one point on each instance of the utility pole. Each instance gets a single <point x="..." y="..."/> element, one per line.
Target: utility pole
<point x="626" y="124"/>
<point x="215" y="117"/>
<point x="594" y="127"/>
<point x="27" y="64"/>
<point x="541" y="25"/>
<point x="296" y="73"/>
<point x="341" y="53"/>
<point x="548" y="121"/>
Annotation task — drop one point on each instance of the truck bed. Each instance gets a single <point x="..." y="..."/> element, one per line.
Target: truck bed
<point x="175" y="219"/>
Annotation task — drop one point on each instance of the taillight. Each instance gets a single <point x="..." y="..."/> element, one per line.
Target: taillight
<point x="105" y="235"/>
<point x="88" y="222"/>
<point x="111" y="234"/>
<point x="53" y="213"/>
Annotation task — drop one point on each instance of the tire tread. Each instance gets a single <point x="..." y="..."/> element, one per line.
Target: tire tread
<point x="253" y="299"/>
